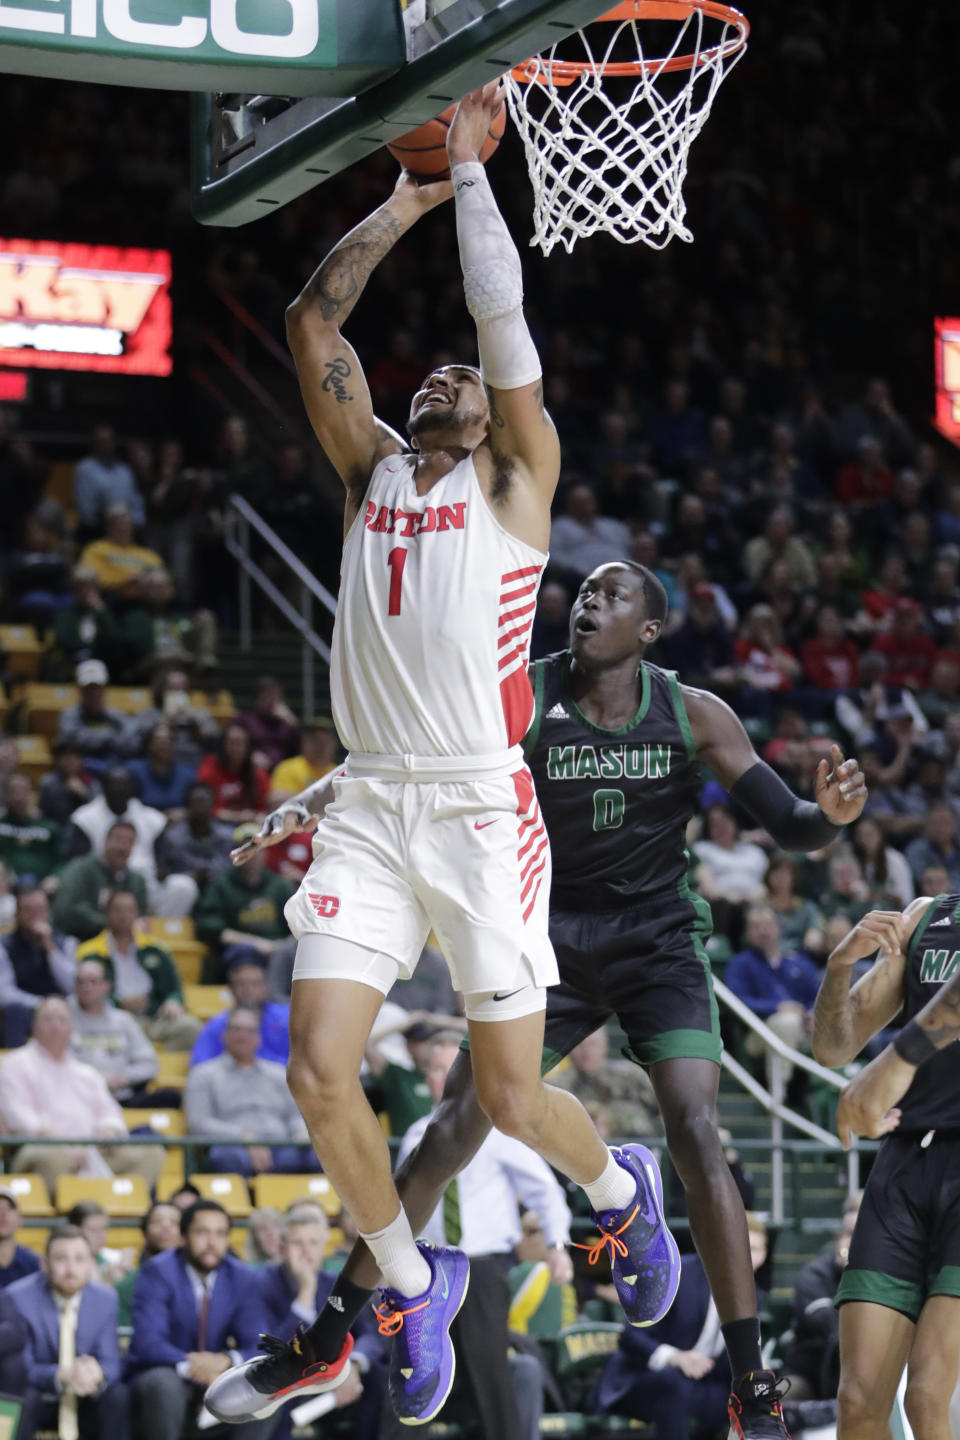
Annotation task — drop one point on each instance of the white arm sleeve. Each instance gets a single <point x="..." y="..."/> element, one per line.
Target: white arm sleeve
<point x="492" y="283"/>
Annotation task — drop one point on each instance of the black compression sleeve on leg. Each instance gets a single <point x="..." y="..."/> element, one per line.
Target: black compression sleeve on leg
<point x="794" y="824"/>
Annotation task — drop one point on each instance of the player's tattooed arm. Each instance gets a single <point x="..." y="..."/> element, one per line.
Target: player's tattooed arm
<point x="495" y="417"/>
<point x="337" y="283"/>
<point x="940" y="1017"/>
<point x="870" y="1104"/>
<point x="332" y="382"/>
<point x="844" y="1019"/>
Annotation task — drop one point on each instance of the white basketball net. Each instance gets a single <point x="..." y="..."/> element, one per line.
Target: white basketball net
<point x="609" y="153"/>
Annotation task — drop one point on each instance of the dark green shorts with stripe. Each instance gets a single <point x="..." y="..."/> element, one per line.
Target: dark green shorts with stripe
<point x="906" y="1244"/>
<point x="646" y="965"/>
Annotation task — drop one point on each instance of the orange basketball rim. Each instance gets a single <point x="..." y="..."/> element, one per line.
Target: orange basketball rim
<point x="565" y="72"/>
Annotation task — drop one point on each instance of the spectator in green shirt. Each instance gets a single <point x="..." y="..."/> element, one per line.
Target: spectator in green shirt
<point x="30" y="845"/>
<point x="242" y="910"/>
<point x="87" y="883"/>
<point x="85" y="630"/>
<point x="143" y="977"/>
<point x="402" y="1091"/>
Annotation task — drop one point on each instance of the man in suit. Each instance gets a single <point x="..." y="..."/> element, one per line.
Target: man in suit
<point x="295" y="1290"/>
<point x="676" y="1371"/>
<point x="196" y="1311"/>
<point x="71" y="1355"/>
<point x="13" y="1341"/>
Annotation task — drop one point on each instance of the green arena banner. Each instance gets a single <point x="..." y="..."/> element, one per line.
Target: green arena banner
<point x="271" y="47"/>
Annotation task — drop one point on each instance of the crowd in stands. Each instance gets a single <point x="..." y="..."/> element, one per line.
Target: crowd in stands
<point x="756" y="435"/>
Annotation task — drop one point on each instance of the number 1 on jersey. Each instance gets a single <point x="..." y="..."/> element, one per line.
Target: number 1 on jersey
<point x="396" y="560"/>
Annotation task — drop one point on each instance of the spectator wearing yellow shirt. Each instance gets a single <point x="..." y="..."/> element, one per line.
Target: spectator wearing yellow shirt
<point x="117" y="562"/>
<point x="318" y="756"/>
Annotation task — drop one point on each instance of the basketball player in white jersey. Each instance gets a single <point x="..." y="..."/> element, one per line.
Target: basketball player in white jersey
<point x="435" y="822"/>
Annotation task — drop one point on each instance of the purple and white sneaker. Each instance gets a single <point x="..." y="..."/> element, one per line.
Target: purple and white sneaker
<point x="644" y="1258"/>
<point x="422" y="1359"/>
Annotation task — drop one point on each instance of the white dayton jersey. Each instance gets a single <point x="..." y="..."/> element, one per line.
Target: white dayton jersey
<point x="432" y="638"/>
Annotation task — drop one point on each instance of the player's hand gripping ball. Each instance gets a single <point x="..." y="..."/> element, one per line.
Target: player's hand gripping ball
<point x="423" y="152"/>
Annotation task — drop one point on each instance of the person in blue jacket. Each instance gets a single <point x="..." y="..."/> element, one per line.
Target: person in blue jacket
<point x="196" y="1311"/>
<point x="676" y="1371"/>
<point x="778" y="985"/>
<point x="89" y="1385"/>
<point x="248" y="985"/>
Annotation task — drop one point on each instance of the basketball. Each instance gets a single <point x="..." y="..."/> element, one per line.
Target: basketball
<point x="424" y="151"/>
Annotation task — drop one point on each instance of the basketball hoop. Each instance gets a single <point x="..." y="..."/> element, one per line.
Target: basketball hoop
<point x="606" y="139"/>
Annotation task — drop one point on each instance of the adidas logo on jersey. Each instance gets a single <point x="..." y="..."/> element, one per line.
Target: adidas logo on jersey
<point x="556" y="713"/>
<point x="947" y="920"/>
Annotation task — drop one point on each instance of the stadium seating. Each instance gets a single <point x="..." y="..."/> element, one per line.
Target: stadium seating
<point x="125" y="1195"/>
<point x="42" y="705"/>
<point x="580" y="1352"/>
<point x="174" y="1065"/>
<point x="282" y="1190"/>
<point x="230" y="1191"/>
<point x="128" y="699"/>
<point x="22" y="651"/>
<point x="34" y="1237"/>
<point x="33" y="1198"/>
<point x="205" y="1001"/>
<point x="164" y="1122"/>
<point x="35" y="757"/>
<point x="221" y="706"/>
<point x="179" y="938"/>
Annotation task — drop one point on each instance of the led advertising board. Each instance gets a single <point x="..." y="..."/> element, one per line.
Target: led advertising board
<point x="946" y="342"/>
<point x="85" y="307"/>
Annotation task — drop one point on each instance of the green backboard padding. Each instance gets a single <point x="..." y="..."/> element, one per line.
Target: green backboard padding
<point x="314" y="140"/>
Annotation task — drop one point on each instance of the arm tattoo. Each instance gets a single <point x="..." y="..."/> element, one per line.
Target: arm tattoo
<point x="833" y="1032"/>
<point x="495" y="416"/>
<point x="337" y="372"/>
<point x="338" y="282"/>
<point x="940" y="1018"/>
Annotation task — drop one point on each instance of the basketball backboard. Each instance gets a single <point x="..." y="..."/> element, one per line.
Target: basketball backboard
<point x="253" y="153"/>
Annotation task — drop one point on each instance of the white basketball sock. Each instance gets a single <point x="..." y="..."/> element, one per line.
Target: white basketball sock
<point x="402" y="1266"/>
<point x="613" y="1189"/>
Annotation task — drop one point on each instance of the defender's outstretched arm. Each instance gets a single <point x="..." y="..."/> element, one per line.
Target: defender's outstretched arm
<point x="795" y="824"/>
<point x="520" y="429"/>
<point x="332" y="383"/>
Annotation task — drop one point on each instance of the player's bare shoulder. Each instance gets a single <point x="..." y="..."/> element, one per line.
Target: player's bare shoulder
<point x="710" y="717"/>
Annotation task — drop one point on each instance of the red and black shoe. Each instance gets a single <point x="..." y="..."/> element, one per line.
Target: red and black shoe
<point x="755" y="1407"/>
<point x="286" y="1370"/>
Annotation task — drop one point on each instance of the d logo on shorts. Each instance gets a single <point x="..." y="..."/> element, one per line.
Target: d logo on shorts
<point x="326" y="906"/>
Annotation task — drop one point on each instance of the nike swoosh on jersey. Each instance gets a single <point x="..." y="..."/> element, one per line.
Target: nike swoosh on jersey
<point x="508" y="994"/>
<point x="478" y="826"/>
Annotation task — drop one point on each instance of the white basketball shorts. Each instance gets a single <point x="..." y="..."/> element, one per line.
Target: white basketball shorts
<point x="467" y="858"/>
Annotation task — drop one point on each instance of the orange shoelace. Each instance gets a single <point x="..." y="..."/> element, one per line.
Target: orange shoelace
<point x="390" y="1321"/>
<point x="608" y="1237"/>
